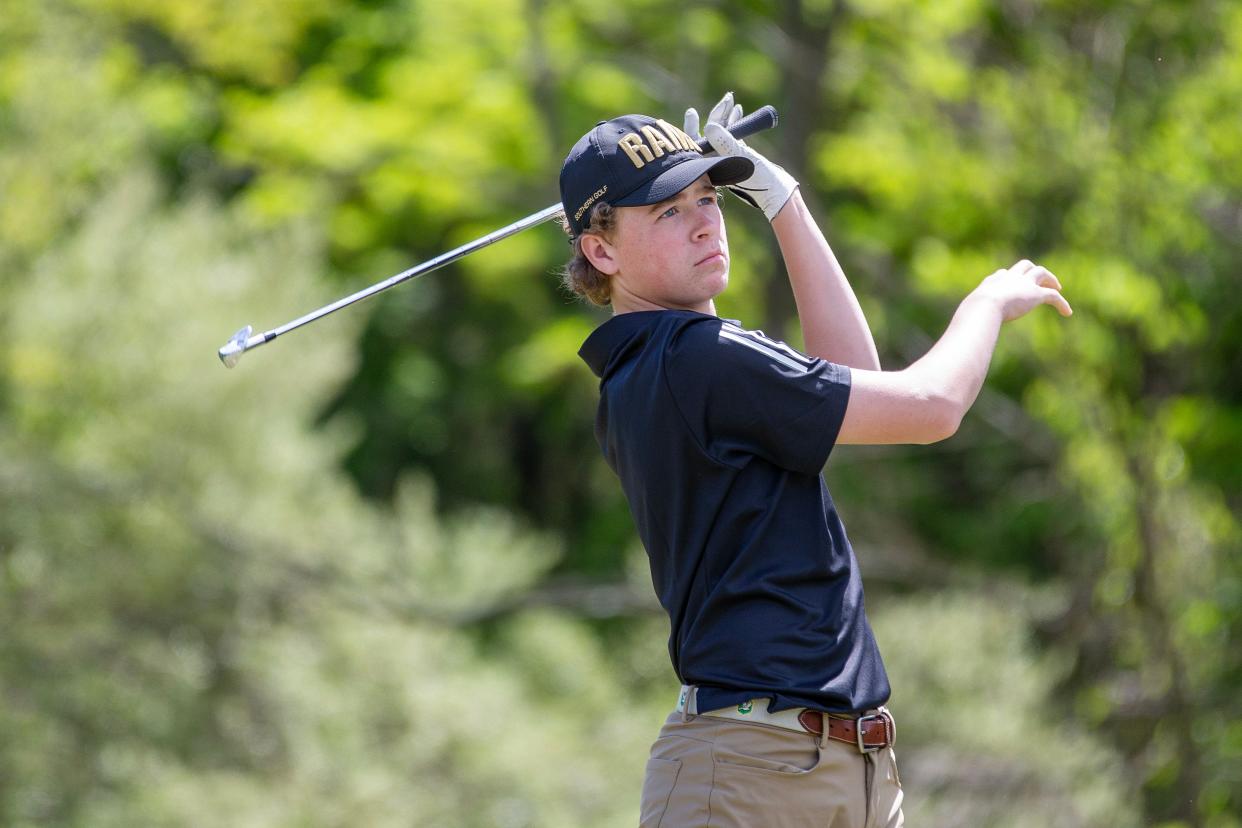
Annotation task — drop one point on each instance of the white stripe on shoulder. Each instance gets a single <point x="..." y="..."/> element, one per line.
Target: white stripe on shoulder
<point x="781" y="346"/>
<point x="774" y="343"/>
<point x="770" y="353"/>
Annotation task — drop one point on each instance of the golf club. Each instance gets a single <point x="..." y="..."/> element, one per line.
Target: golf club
<point x="244" y="340"/>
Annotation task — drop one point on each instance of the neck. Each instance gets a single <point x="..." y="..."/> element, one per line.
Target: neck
<point x="624" y="302"/>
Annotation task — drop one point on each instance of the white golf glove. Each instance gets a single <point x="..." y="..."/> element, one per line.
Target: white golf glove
<point x="770" y="186"/>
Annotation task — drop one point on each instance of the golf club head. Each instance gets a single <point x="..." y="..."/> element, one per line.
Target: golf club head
<point x="232" y="351"/>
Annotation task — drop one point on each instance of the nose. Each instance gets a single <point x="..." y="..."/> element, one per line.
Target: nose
<point x="707" y="224"/>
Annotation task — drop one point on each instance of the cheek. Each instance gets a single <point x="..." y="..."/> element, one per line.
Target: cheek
<point x="655" y="253"/>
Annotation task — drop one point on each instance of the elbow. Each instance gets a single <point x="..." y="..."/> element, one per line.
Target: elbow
<point x="946" y="426"/>
<point x="937" y="409"/>
<point x="944" y="417"/>
<point x="908" y="407"/>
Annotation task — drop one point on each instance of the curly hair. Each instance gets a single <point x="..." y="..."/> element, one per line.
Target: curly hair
<point x="579" y="276"/>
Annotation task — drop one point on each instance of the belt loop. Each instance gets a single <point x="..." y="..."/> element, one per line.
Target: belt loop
<point x="823" y="734"/>
<point x="689" y="705"/>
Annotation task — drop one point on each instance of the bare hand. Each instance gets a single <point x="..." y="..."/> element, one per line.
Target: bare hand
<point x="1020" y="288"/>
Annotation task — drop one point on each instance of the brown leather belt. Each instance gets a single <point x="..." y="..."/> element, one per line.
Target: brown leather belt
<point x="868" y="733"/>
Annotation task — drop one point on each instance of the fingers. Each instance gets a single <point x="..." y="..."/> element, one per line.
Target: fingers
<point x="1040" y="274"/>
<point x="1046" y="278"/>
<point x="691" y="124"/>
<point x="1046" y="285"/>
<point x="1050" y="285"/>
<point x="721" y="110"/>
<point x="722" y="141"/>
<point x="735" y="115"/>
<point x="1054" y="298"/>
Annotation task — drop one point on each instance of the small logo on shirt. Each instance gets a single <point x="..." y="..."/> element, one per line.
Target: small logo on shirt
<point x="745" y="707"/>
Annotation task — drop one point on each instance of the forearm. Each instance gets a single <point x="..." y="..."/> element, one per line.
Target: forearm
<point x="926" y="402"/>
<point x="833" y="325"/>
<point x="953" y="371"/>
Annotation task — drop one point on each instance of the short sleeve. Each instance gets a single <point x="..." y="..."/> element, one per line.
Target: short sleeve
<point x="744" y="395"/>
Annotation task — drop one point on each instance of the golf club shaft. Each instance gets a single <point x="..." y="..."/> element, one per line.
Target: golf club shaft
<point x="418" y="270"/>
<point x="760" y="119"/>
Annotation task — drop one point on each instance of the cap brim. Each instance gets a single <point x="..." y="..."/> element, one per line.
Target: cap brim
<point x="722" y="171"/>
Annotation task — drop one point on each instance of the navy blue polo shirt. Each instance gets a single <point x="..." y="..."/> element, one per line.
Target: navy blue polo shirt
<point x="719" y="435"/>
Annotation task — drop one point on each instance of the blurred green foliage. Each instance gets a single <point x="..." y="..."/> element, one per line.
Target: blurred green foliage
<point x="378" y="574"/>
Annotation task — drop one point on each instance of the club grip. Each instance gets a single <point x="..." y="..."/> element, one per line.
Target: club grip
<point x="757" y="121"/>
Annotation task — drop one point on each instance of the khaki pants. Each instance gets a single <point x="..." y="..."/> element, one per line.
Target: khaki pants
<point x="706" y="771"/>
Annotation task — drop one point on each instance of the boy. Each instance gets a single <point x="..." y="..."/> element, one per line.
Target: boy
<point x="718" y="435"/>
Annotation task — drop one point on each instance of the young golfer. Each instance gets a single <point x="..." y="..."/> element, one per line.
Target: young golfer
<point x="719" y="434"/>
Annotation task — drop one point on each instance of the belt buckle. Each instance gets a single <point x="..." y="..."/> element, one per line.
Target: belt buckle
<point x="860" y="727"/>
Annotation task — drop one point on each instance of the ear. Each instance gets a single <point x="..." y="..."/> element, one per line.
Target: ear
<point x="600" y="253"/>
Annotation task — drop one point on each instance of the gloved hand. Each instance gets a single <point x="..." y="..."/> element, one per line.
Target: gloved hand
<point x="770" y="186"/>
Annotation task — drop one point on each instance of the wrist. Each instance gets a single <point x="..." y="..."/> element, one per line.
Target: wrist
<point x="790" y="211"/>
<point x="781" y="188"/>
<point x="793" y="198"/>
<point x="982" y="302"/>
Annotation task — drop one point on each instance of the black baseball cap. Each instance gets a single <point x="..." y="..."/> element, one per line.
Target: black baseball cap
<point x="635" y="160"/>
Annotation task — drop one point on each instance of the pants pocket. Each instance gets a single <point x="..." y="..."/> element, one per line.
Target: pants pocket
<point x="760" y="748"/>
<point x="658" y="786"/>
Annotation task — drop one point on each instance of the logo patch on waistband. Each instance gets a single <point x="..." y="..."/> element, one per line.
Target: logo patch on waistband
<point x="745" y="707"/>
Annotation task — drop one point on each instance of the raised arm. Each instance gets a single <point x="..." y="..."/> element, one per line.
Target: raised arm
<point x="926" y="402"/>
<point x="833" y="325"/>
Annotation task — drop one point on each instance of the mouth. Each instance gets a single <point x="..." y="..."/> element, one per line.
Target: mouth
<point x="716" y="255"/>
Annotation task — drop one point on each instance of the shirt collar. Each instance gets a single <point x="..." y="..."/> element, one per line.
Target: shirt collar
<point x="620" y="333"/>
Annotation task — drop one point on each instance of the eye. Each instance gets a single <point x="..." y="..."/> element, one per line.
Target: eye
<point x="669" y="213"/>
